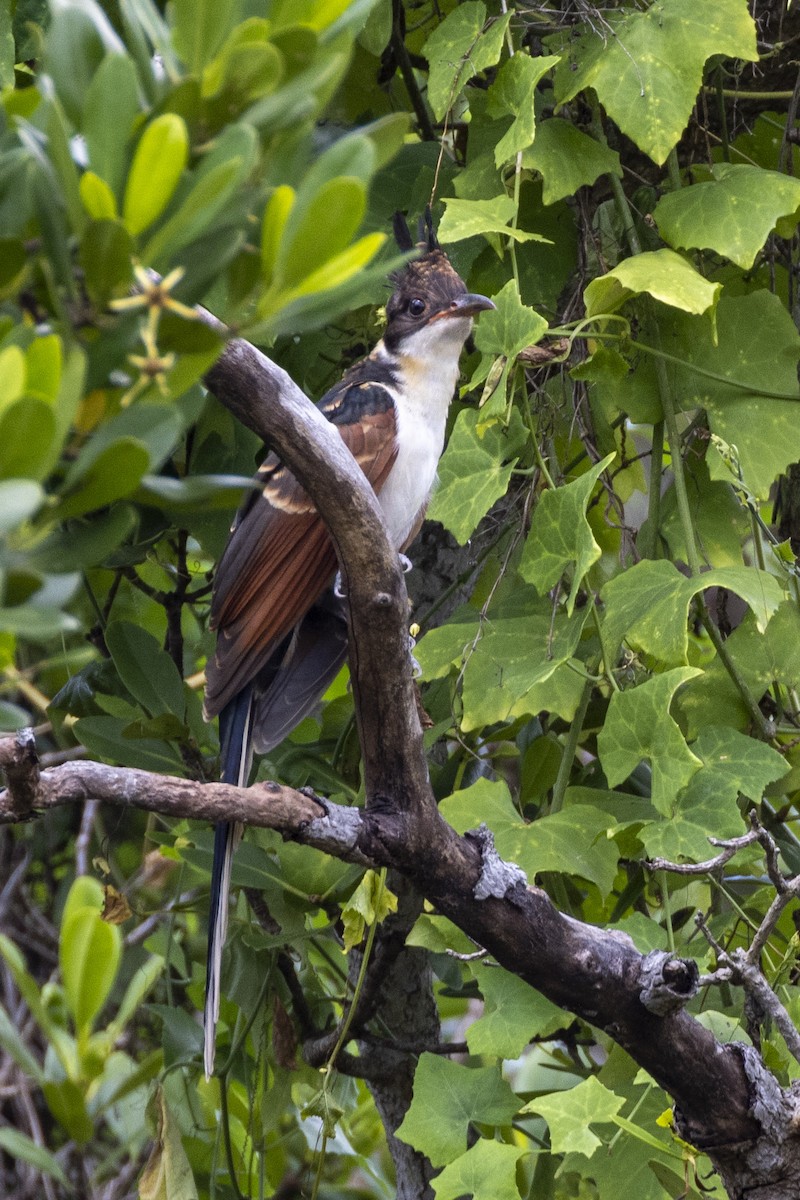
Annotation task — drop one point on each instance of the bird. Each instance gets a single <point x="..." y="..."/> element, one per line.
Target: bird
<point x="279" y="616"/>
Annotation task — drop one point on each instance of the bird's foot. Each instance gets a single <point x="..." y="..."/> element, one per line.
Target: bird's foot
<point x="416" y="669"/>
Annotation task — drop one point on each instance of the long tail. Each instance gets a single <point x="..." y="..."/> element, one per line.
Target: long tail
<point x="236" y="747"/>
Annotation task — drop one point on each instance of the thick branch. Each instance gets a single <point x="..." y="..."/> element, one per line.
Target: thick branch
<point x="267" y="400"/>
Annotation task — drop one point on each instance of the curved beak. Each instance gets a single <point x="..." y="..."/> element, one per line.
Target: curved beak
<point x="466" y="305"/>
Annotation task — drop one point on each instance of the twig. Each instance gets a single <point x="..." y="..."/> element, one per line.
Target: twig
<point x="739" y="968"/>
<point x="84" y="837"/>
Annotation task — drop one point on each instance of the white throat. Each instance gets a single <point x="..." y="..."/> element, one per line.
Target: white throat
<point x="427" y="370"/>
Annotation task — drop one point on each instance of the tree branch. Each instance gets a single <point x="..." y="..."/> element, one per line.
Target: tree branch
<point x="596" y="974"/>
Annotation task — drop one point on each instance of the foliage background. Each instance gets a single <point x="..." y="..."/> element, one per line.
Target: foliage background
<point x="617" y="674"/>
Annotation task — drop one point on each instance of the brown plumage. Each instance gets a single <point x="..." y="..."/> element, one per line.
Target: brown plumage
<point x="281" y="627"/>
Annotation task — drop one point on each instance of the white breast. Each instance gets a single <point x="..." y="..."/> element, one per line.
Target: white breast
<point x="428" y="372"/>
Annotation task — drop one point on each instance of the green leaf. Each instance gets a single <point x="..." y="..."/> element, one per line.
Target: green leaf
<point x="648" y="604"/>
<point x="36" y="624"/>
<point x="760" y="658"/>
<point x="512" y="327"/>
<point x="371" y="902"/>
<point x="561" y="536"/>
<point x="97" y="197"/>
<point x="28" y="436"/>
<point x="639" y="727"/>
<point x="732" y="766"/>
<point x="112" y="106"/>
<point x="78" y="38"/>
<point x="662" y="274"/>
<point x="12" y="376"/>
<point x="167" y="1174"/>
<point x="568" y="159"/>
<point x="209" y="196"/>
<point x="19" y="500"/>
<point x="513" y="92"/>
<point x="44" y="368"/>
<point x="199" y="29"/>
<point x="115" y="473"/>
<point x="55" y="1034"/>
<point x="89" y="954"/>
<point x="488" y="1171"/>
<point x="19" y="1146"/>
<point x="12" y="717"/>
<point x="7" y="55"/>
<point x="571" y="1114"/>
<point x="158" y="164"/>
<point x="520" y="647"/>
<point x="339" y="269"/>
<point x="16" y="1049"/>
<point x="572" y="842"/>
<point x="106" y="258"/>
<point x="104" y="737"/>
<point x="477" y="218"/>
<point x="329" y="223"/>
<point x="458" y="1095"/>
<point x="757" y="351"/>
<point x="647" y="67"/>
<point x="733" y="216"/>
<point x="471" y="475"/>
<point x="147" y="671"/>
<point x="513" y="1013"/>
<point x="67" y="1103"/>
<point x="194" y="491"/>
<point x="157" y="427"/>
<point x="458" y="49"/>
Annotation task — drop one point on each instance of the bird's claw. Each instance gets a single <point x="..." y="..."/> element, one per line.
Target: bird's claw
<point x="416" y="669"/>
<point x="338" y="587"/>
<point x="405" y="563"/>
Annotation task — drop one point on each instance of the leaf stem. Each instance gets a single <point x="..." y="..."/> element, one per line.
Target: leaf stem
<point x="570" y="748"/>
<point x="651" y="545"/>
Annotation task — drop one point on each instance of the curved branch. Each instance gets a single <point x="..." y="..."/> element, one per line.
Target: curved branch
<point x="268" y="401"/>
<point x="597" y="974"/>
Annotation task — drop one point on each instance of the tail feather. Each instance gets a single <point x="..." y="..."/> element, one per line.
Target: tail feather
<point x="235" y="731"/>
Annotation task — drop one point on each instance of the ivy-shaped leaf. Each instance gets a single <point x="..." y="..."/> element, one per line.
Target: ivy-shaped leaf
<point x="571" y="1114"/>
<point x="458" y="1095"/>
<point x="760" y="660"/>
<point x="471" y="475"/>
<point x="647" y="66"/>
<point x="513" y="92"/>
<point x="573" y="841"/>
<point x="513" y="1013"/>
<point x="648" y="604"/>
<point x="561" y="536"/>
<point x="477" y="218"/>
<point x="639" y="727"/>
<point x="459" y="49"/>
<point x="488" y="1171"/>
<point x="522" y="645"/>
<point x="512" y="326"/>
<point x="567" y="159"/>
<point x="662" y="274"/>
<point x="732" y="765"/>
<point x="734" y="215"/>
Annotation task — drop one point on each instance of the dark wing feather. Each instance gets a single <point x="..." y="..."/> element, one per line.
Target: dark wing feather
<point x="280" y="559"/>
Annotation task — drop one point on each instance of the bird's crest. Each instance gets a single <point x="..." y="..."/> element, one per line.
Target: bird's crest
<point x="426" y="234"/>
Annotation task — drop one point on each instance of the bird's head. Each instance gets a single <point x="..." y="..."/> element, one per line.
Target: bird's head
<point x="430" y="306"/>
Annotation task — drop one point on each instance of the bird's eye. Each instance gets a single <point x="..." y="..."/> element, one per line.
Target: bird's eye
<point x="416" y="307"/>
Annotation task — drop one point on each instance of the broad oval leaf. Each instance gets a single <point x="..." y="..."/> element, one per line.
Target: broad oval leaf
<point x="158" y="164"/>
<point x="89" y="954"/>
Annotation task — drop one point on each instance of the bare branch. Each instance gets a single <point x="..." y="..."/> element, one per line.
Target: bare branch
<point x="326" y="826"/>
<point x="266" y="399"/>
